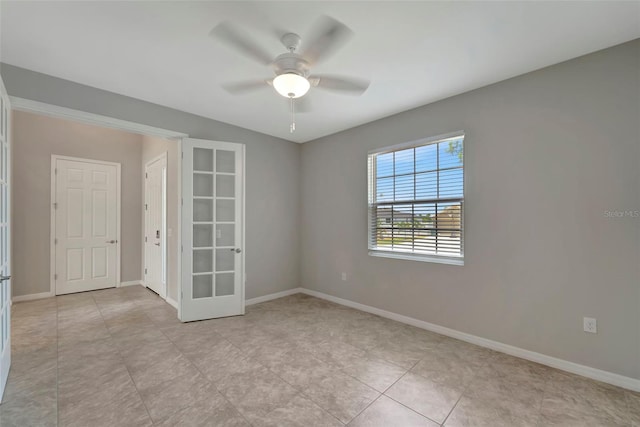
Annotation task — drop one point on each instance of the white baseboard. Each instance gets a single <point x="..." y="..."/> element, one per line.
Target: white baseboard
<point x="172" y="302"/>
<point x="564" y="365"/>
<point x="269" y="297"/>
<point x="131" y="283"/>
<point x="32" y="297"/>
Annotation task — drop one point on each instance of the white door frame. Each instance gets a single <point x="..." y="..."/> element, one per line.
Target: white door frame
<point x="163" y="233"/>
<point x="52" y="243"/>
<point x="5" y="355"/>
<point x="50" y="110"/>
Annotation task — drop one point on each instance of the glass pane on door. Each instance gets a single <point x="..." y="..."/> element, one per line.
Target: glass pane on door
<point x="225" y="161"/>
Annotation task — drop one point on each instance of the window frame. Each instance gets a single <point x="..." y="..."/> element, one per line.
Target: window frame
<point x="371" y="185"/>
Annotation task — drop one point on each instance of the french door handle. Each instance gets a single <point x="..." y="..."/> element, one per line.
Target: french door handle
<point x="112" y="241"/>
<point x="4" y="278"/>
<point x="236" y="250"/>
<point x="157" y="244"/>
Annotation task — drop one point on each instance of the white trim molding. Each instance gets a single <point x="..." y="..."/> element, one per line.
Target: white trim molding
<point x="131" y="283"/>
<point x="269" y="297"/>
<point x="31" y="297"/>
<point x="50" y="110"/>
<point x="564" y="365"/>
<point x="173" y="303"/>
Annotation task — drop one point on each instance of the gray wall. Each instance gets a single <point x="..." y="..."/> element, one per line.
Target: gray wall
<point x="151" y="148"/>
<point x="35" y="139"/>
<point x="546" y="155"/>
<point x="272" y="164"/>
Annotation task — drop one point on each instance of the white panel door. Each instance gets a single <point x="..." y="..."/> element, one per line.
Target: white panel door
<point x="86" y="211"/>
<point x="212" y="229"/>
<point x="5" y="240"/>
<point x="155" y="226"/>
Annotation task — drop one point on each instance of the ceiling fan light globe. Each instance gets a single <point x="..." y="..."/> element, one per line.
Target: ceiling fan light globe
<point x="291" y="85"/>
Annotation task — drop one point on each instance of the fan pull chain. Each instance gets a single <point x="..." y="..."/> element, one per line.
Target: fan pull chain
<point x="292" y="128"/>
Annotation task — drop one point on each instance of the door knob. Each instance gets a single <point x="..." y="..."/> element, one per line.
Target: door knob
<point x="112" y="241"/>
<point x="4" y="278"/>
<point x="157" y="244"/>
<point x="236" y="250"/>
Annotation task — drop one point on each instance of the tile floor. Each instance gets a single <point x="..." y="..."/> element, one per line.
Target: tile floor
<point x="120" y="357"/>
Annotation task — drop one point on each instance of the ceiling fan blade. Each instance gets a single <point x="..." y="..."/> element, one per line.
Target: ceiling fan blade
<point x="326" y="37"/>
<point x="347" y="85"/>
<point x="239" y="40"/>
<point x="240" y="88"/>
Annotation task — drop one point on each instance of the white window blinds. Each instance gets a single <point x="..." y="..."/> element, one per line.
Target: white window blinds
<point x="416" y="198"/>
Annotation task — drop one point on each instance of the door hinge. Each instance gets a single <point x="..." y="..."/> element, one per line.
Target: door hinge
<point x="55" y="171"/>
<point x="145" y="239"/>
<point x="146" y="207"/>
<point x="182" y="155"/>
<point x="145" y="271"/>
<point x="55" y="241"/>
<point x="146" y="175"/>
<point x="55" y="276"/>
<point x="181" y="248"/>
<point x="55" y="205"/>
<point x="182" y="202"/>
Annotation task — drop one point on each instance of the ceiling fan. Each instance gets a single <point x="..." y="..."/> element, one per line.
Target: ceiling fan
<point x="293" y="77"/>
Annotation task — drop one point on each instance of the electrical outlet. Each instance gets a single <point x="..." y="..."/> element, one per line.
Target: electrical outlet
<point x="590" y="325"/>
<point x="344" y="276"/>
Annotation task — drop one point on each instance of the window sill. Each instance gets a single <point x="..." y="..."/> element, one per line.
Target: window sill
<point x="417" y="257"/>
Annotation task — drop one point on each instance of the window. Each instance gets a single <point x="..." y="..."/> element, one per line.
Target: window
<point x="416" y="200"/>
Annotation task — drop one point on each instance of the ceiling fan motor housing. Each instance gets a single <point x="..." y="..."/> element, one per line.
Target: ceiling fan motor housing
<point x="291" y="63"/>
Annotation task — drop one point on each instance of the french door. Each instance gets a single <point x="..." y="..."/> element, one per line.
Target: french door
<point x="212" y="229"/>
<point x="5" y="240"/>
<point x="86" y="205"/>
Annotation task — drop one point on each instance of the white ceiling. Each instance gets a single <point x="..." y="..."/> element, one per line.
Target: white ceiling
<point x="413" y="52"/>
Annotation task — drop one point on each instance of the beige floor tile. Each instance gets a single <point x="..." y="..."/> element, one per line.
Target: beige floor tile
<point x="491" y="410"/>
<point x="341" y="395"/>
<point x="213" y="411"/>
<point x="522" y="385"/>
<point x="633" y="405"/>
<point x="109" y="407"/>
<point x="41" y="378"/>
<point x="377" y="374"/>
<point x="146" y="354"/>
<point x="432" y="399"/>
<point x="405" y="357"/>
<point x="89" y="360"/>
<point x="166" y="398"/>
<point x="298" y="412"/>
<point x="163" y="315"/>
<point x="158" y="371"/>
<point x="570" y="394"/>
<point x="386" y="412"/>
<point x="569" y="417"/>
<point x="256" y="392"/>
<point x="300" y="368"/>
<point x="222" y="360"/>
<point x="26" y="362"/>
<point x="75" y="388"/>
<point x="38" y="409"/>
<point x="335" y="352"/>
